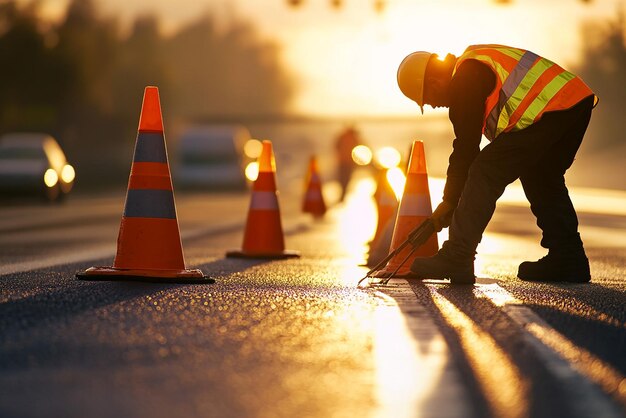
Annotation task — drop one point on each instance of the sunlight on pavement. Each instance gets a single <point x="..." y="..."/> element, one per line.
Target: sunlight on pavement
<point x="409" y="371"/>
<point x="495" y="251"/>
<point x="357" y="219"/>
<point x="407" y="375"/>
<point x="609" y="202"/>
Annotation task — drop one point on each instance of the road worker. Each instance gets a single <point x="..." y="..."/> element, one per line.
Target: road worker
<point x="535" y="114"/>
<point x="344" y="144"/>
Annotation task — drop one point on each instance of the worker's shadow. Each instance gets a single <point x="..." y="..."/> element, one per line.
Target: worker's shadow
<point x="576" y="311"/>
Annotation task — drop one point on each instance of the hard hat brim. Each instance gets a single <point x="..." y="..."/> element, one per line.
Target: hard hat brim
<point x="411" y="75"/>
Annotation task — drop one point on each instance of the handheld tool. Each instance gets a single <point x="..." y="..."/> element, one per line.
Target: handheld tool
<point x="416" y="239"/>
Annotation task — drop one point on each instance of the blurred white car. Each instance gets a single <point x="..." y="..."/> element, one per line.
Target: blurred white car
<point x="209" y="157"/>
<point x="34" y="164"/>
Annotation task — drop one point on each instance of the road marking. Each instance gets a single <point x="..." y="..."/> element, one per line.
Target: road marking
<point x="99" y="252"/>
<point x="96" y="253"/>
<point x="499" y="378"/>
<point x="575" y="367"/>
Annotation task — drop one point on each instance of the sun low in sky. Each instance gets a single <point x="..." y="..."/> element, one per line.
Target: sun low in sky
<point x="345" y="60"/>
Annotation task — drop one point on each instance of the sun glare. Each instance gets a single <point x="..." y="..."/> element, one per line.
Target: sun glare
<point x="396" y="179"/>
<point x="361" y="155"/>
<point x="253" y="148"/>
<point x="388" y="157"/>
<point x="252" y="171"/>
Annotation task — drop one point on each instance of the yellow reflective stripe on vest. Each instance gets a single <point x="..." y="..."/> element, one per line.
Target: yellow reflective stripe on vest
<point x="542" y="100"/>
<point x="513" y="90"/>
<point x="514" y="53"/>
<point x="521" y="92"/>
<point x="511" y="52"/>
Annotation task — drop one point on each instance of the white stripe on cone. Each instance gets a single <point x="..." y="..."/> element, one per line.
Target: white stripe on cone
<point x="415" y="205"/>
<point x="264" y="201"/>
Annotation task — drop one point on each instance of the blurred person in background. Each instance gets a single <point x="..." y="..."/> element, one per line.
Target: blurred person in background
<point x="535" y="115"/>
<point x="344" y="144"/>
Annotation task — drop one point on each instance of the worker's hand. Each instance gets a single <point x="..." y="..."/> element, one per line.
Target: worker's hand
<point x="442" y="216"/>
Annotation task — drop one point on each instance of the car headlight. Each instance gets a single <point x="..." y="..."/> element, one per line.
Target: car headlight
<point x="51" y="178"/>
<point x="68" y="174"/>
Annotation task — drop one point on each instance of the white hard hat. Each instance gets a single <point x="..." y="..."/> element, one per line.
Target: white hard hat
<point x="411" y="73"/>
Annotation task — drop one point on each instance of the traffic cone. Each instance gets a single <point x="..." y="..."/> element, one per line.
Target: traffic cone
<point x="379" y="249"/>
<point x="313" y="202"/>
<point x="415" y="207"/>
<point x="263" y="237"/>
<point x="386" y="203"/>
<point x="148" y="244"/>
<point x="386" y="208"/>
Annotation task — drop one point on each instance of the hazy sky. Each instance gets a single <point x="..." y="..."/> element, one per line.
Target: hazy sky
<point x="345" y="60"/>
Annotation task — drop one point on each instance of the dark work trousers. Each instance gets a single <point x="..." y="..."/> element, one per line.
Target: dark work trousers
<point x="539" y="156"/>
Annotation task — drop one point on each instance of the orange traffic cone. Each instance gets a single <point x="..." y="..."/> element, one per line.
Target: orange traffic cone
<point x="148" y="244"/>
<point x="414" y="208"/>
<point x="263" y="237"/>
<point x="386" y="207"/>
<point x="386" y="203"/>
<point x="313" y="202"/>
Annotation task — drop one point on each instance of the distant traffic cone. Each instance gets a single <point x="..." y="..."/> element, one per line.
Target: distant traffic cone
<point x="313" y="202"/>
<point x="148" y="244"/>
<point x="414" y="208"/>
<point x="263" y="237"/>
<point x="386" y="203"/>
<point x="386" y="208"/>
<point x="379" y="249"/>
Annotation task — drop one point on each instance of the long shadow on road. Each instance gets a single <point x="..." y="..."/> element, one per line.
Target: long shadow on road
<point x="58" y="295"/>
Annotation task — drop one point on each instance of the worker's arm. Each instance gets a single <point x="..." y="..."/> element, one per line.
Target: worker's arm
<point x="472" y="83"/>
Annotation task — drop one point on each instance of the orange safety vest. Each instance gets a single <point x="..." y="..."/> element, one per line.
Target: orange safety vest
<point x="527" y="86"/>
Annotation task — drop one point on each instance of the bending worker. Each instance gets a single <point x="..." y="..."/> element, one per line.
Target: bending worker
<point x="535" y="115"/>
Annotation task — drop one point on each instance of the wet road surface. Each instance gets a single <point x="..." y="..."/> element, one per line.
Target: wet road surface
<point x="297" y="337"/>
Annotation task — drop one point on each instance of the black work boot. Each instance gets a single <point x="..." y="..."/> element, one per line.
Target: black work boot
<point x="445" y="265"/>
<point x="557" y="266"/>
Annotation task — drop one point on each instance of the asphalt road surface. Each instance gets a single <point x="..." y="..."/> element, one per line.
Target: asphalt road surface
<point x="297" y="337"/>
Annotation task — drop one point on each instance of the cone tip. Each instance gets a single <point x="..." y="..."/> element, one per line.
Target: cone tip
<point x="267" y="163"/>
<point x="417" y="162"/>
<point x="151" y="119"/>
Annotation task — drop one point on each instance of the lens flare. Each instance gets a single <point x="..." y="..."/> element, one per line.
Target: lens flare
<point x="253" y="148"/>
<point x="388" y="157"/>
<point x="252" y="171"/>
<point x="361" y="155"/>
<point x="50" y="178"/>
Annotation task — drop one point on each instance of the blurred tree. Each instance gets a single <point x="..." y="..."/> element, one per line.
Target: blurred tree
<point x="89" y="44"/>
<point x="229" y="73"/>
<point x="82" y="81"/>
<point x="140" y="61"/>
<point x="33" y="77"/>
<point x="604" y="69"/>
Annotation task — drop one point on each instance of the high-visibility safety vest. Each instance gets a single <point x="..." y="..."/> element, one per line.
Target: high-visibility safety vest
<point x="527" y="86"/>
